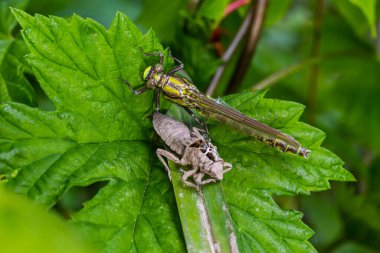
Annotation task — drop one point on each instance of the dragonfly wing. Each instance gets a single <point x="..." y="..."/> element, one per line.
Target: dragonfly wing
<point x="237" y="119"/>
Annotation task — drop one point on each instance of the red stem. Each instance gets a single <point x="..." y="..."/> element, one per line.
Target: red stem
<point x="235" y="5"/>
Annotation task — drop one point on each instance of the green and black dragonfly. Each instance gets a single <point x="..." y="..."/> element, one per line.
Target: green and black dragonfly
<point x="182" y="92"/>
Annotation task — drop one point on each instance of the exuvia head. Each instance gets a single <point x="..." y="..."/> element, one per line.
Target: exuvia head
<point x="216" y="170"/>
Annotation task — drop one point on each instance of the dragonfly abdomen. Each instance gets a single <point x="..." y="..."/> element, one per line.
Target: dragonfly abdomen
<point x="280" y="143"/>
<point x="284" y="146"/>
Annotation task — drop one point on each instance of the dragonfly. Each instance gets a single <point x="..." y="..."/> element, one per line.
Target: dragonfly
<point x="183" y="92"/>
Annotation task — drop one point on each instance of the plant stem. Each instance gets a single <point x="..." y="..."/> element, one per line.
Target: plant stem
<point x="313" y="83"/>
<point x="378" y="39"/>
<point x="249" y="48"/>
<point x="278" y="76"/>
<point x="204" y="215"/>
<point x="205" y="220"/>
<point x="220" y="219"/>
<point x="229" y="52"/>
<point x="281" y="74"/>
<point x="194" y="221"/>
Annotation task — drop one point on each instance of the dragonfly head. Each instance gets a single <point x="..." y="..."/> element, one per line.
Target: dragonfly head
<point x="149" y="73"/>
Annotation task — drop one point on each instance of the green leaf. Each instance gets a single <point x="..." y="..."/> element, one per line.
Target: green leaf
<point x="194" y="51"/>
<point x="352" y="247"/>
<point x="101" y="132"/>
<point x="162" y="16"/>
<point x="363" y="210"/>
<point x="276" y="11"/>
<point x="7" y="21"/>
<point x="133" y="215"/>
<point x="13" y="84"/>
<point x="361" y="15"/>
<point x="213" y="10"/>
<point x="43" y="154"/>
<point x="26" y="226"/>
<point x="358" y="116"/>
<point x="261" y="171"/>
<point x="323" y="215"/>
<point x="368" y="8"/>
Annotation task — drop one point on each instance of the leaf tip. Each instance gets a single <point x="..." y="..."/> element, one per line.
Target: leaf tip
<point x="21" y="16"/>
<point x="347" y="176"/>
<point x="121" y="17"/>
<point x="16" y="12"/>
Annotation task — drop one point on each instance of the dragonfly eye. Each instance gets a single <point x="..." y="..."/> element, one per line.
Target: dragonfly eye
<point x="158" y="68"/>
<point x="148" y="72"/>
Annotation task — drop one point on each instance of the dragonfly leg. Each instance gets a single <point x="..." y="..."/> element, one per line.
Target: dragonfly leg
<point x="202" y="124"/>
<point x="154" y="53"/>
<point x="161" y="57"/>
<point x="135" y="92"/>
<point x="177" y="68"/>
<point x="158" y="100"/>
<point x="172" y="71"/>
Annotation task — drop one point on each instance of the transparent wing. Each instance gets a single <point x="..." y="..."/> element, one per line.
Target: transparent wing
<point x="233" y="117"/>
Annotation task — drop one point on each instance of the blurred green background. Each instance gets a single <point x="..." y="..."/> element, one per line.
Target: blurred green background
<point x="345" y="103"/>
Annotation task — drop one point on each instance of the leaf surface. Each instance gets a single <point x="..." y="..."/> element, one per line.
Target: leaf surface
<point x="361" y="15"/>
<point x="368" y="8"/>
<point x="261" y="171"/>
<point x="24" y="225"/>
<point x="13" y="84"/>
<point x="101" y="132"/>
